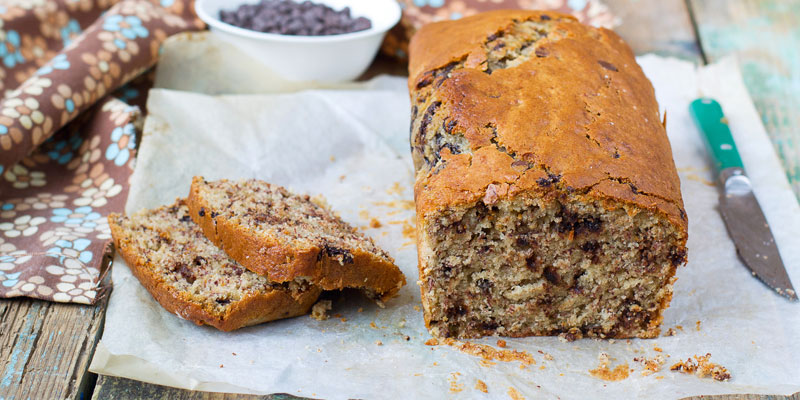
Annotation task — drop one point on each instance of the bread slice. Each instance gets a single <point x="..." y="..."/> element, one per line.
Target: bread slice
<point x="195" y="280"/>
<point x="285" y="236"/>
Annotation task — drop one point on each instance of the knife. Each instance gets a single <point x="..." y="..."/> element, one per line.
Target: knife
<point x="738" y="205"/>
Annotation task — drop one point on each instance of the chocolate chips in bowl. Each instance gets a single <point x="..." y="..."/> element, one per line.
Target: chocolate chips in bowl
<point x="287" y="17"/>
<point x="325" y="40"/>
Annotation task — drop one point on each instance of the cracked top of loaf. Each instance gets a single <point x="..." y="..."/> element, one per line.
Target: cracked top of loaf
<point x="511" y="102"/>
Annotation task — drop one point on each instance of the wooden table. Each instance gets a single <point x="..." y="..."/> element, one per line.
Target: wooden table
<point x="45" y="348"/>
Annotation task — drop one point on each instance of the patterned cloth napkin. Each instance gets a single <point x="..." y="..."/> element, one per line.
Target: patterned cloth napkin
<point x="74" y="75"/>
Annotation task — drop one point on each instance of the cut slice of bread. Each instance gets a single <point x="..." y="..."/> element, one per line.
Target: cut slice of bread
<point x="195" y="280"/>
<point x="285" y="236"/>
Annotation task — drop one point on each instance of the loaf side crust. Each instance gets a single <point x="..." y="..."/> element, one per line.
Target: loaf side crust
<point x="252" y="310"/>
<point x="281" y="262"/>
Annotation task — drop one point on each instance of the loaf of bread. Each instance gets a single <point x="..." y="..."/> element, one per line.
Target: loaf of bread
<point x="195" y="280"/>
<point x="547" y="199"/>
<point x="284" y="236"/>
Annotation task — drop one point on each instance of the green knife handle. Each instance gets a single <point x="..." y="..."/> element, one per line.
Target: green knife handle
<point x="708" y="116"/>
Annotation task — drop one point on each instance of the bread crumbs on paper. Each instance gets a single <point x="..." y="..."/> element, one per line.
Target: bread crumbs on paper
<point x="374" y="223"/>
<point x="697" y="325"/>
<point x="363" y="214"/>
<point x="320" y="310"/>
<point x="618" y="373"/>
<point x="396" y="188"/>
<point x="702" y="367"/>
<point x="379" y="343"/>
<point x="417" y="309"/>
<point x="487" y="363"/>
<point x="372" y="325"/>
<point x="514" y="394"/>
<point x="651" y="365"/>
<point x="485" y="351"/>
<point x="501" y="343"/>
<point x="481" y="386"/>
<point x="455" y="387"/>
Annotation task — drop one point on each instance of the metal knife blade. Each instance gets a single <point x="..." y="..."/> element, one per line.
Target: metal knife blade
<point x="740" y="210"/>
<point x="750" y="232"/>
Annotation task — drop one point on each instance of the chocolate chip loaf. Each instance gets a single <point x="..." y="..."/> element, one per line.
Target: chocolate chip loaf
<point x="285" y="236"/>
<point x="193" y="279"/>
<point x="547" y="199"/>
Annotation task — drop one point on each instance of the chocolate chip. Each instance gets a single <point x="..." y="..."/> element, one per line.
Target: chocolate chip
<point x="449" y="125"/>
<point x="541" y="52"/>
<point x="616" y="154"/>
<point x="456" y="310"/>
<point x="634" y="189"/>
<point x="484" y="284"/>
<point x="202" y="212"/>
<point x="549" y="180"/>
<point x="199" y="260"/>
<point x="427" y="80"/>
<point x="607" y="65"/>
<point x="551" y="275"/>
<point x="677" y="257"/>
<point x="545" y="17"/>
<point x="287" y="17"/>
<point x="426" y="120"/>
<point x="222" y="301"/>
<point x="184" y="271"/>
<point x="343" y="255"/>
<point x="590" y="247"/>
<point x="186" y="218"/>
<point x="492" y="37"/>
<point x="214" y="214"/>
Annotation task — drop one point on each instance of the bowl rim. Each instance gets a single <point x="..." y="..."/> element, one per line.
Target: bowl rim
<point x="215" y="22"/>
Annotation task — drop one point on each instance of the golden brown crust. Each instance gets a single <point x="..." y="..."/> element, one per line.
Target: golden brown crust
<point x="577" y="113"/>
<point x="253" y="309"/>
<point x="584" y="111"/>
<point x="280" y="262"/>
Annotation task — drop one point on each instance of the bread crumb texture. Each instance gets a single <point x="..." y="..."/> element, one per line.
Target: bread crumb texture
<point x="618" y="373"/>
<point x="702" y="367"/>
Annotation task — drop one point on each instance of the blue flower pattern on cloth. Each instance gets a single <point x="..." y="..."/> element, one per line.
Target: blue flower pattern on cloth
<point x="74" y="249"/>
<point x="124" y="138"/>
<point x="429" y="3"/>
<point x="129" y="26"/>
<point x="72" y="28"/>
<point x="81" y="216"/>
<point x="9" y="49"/>
<point x="58" y="62"/>
<point x="9" y="280"/>
<point x="71" y="145"/>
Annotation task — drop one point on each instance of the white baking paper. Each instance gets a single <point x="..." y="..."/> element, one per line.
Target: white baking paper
<point x="352" y="147"/>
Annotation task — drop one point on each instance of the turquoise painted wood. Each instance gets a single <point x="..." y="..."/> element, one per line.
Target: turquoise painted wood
<point x="708" y="115"/>
<point x="764" y="35"/>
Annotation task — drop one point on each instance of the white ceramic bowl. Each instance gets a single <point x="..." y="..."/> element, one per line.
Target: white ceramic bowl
<point x="333" y="58"/>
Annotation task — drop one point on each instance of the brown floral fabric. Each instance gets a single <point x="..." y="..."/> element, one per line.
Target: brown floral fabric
<point x="417" y="13"/>
<point x="74" y="75"/>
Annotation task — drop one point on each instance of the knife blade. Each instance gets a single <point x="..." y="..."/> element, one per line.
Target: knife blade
<point x="738" y="205"/>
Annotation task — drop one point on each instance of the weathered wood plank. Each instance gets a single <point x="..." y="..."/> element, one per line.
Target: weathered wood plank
<point x="765" y="37"/>
<point x="45" y="348"/>
<point x="110" y="388"/>
<point x="795" y="396"/>
<point x="662" y="27"/>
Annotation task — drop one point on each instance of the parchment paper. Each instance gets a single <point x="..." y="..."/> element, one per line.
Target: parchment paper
<point x="352" y="147"/>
